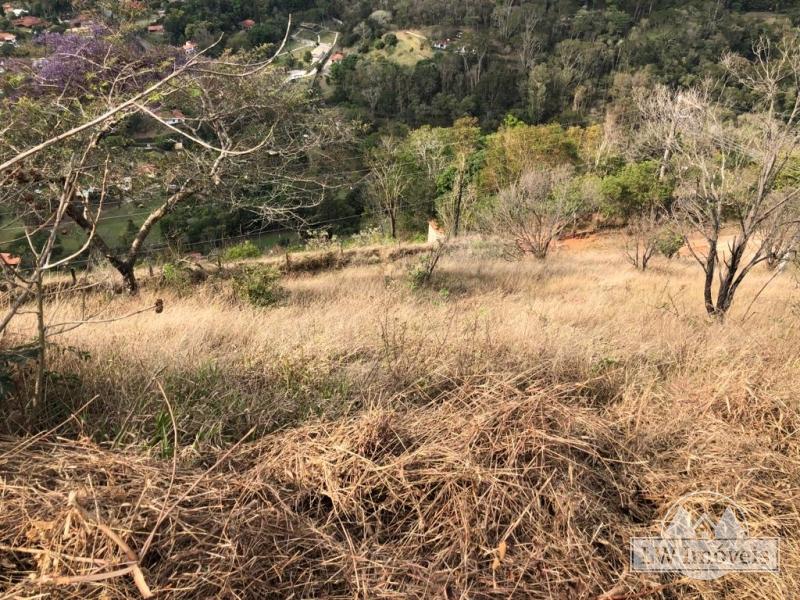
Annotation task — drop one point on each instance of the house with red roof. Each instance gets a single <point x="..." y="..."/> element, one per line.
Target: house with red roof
<point x="9" y="260"/>
<point x="29" y="22"/>
<point x="172" y="117"/>
<point x="248" y="24"/>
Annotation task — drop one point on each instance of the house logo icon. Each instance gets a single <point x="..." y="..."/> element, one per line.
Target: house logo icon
<point x="705" y="536"/>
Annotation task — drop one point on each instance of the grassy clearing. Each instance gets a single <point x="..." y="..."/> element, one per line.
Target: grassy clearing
<point x="399" y="439"/>
<point x="410" y="50"/>
<point x="112" y="227"/>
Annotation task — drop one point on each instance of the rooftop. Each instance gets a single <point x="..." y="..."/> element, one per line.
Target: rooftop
<point x="29" y="22"/>
<point x="9" y="259"/>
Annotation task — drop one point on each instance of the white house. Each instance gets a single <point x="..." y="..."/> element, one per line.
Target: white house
<point x="174" y="117"/>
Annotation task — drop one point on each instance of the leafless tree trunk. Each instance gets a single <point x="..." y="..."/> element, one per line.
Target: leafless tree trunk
<point x="502" y="18"/>
<point x="31" y="285"/>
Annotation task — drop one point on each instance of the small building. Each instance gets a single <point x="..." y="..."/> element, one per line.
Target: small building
<point x="9" y="260"/>
<point x="155" y="28"/>
<point x="8" y="38"/>
<point x="172" y="117"/>
<point x="189" y="48"/>
<point x="29" y="22"/>
<point x="338" y="57"/>
<point x="247" y="24"/>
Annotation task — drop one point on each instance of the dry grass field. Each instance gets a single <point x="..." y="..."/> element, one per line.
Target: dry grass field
<point x="500" y="434"/>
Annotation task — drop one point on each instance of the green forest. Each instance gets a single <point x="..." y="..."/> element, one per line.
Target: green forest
<point x="551" y="83"/>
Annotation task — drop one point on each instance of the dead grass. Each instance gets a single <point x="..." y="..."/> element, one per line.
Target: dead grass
<point x="500" y="435"/>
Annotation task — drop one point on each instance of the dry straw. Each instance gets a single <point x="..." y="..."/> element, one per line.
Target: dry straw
<point x="502" y="435"/>
<point x="496" y="491"/>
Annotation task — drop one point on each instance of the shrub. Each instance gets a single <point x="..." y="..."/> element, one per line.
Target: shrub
<point x="635" y="189"/>
<point x="175" y="276"/>
<point x="380" y="45"/>
<point x="320" y="239"/>
<point x="246" y="249"/>
<point x="669" y="242"/>
<point x="117" y="141"/>
<point x="418" y="275"/>
<point x="259" y="285"/>
<point x="421" y="272"/>
<point x="532" y="213"/>
<point x="164" y="142"/>
<point x="368" y="237"/>
<point x="391" y="40"/>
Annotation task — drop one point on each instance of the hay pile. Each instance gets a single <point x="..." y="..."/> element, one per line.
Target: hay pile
<point x="495" y="491"/>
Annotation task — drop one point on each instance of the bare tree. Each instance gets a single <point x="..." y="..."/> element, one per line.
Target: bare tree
<point x="534" y="211"/>
<point x="503" y="18"/>
<point x="430" y="148"/>
<point x="642" y="233"/>
<point x="246" y="138"/>
<point x="476" y="47"/>
<point x="25" y="284"/>
<point x="727" y="168"/>
<point x="388" y="181"/>
<point x="531" y="42"/>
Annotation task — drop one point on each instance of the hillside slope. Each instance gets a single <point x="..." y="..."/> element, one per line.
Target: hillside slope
<point x="502" y="434"/>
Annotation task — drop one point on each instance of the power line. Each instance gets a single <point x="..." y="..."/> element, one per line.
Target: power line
<point x="153" y="250"/>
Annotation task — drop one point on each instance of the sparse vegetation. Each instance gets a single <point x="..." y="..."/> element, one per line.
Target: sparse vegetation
<point x="533" y="212"/>
<point x="176" y="276"/>
<point x="518" y="414"/>
<point x="259" y="285"/>
<point x="246" y="249"/>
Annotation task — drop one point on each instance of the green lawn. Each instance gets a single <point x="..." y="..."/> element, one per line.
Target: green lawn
<point x="115" y="221"/>
<point x="327" y="37"/>
<point x="112" y="225"/>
